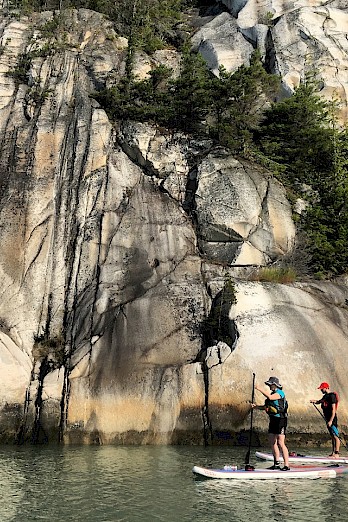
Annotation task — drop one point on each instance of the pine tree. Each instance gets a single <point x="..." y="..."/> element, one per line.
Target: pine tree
<point x="302" y="134"/>
<point x="326" y="220"/>
<point x="237" y="100"/>
<point x="296" y="134"/>
<point x="191" y="93"/>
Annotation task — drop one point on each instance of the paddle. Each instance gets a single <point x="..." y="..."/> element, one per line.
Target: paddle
<point x="248" y="466"/>
<point x="333" y="429"/>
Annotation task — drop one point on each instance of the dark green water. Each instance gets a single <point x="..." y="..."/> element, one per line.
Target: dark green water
<point x="109" y="484"/>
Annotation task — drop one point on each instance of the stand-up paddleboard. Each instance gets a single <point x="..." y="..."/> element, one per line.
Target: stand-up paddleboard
<point x="266" y="474"/>
<point x="304" y="459"/>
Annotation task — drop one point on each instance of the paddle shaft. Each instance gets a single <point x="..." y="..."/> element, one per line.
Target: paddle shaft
<point x="333" y="429"/>
<point x="247" y="456"/>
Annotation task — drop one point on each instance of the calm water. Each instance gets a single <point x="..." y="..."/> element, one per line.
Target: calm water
<point x="109" y="484"/>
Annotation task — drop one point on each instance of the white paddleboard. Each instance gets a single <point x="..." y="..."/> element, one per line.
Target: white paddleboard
<point x="304" y="459"/>
<point x="267" y="474"/>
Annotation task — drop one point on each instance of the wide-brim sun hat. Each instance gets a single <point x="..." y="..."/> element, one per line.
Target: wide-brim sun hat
<point x="273" y="380"/>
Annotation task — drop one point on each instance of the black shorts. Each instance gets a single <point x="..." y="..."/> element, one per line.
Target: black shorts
<point x="334" y="423"/>
<point x="277" y="425"/>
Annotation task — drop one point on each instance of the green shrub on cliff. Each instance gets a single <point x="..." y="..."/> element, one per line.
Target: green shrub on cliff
<point x="274" y="275"/>
<point x="150" y="24"/>
<point x="138" y="100"/>
<point x="301" y="134"/>
<point x="326" y="220"/>
<point x="296" y="134"/>
<point x="190" y="94"/>
<point x="237" y="100"/>
<point x="226" y="107"/>
<point x="182" y="103"/>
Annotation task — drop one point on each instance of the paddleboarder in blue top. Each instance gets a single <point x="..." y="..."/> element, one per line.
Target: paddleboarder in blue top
<point x="329" y="403"/>
<point x="276" y="407"/>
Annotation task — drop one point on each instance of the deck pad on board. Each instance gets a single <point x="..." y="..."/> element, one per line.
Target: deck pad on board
<point x="264" y="474"/>
<point x="318" y="459"/>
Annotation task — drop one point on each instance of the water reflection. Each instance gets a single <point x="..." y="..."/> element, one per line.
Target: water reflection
<point x="294" y="500"/>
<point x="336" y="498"/>
<point x="11" y="487"/>
<point x="109" y="484"/>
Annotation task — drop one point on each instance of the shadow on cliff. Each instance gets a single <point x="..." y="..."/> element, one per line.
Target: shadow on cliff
<point x="219" y="335"/>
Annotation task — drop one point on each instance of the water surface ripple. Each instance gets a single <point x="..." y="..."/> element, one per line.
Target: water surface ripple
<point x="129" y="484"/>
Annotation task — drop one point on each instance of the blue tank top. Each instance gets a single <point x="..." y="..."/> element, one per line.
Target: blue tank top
<point x="272" y="406"/>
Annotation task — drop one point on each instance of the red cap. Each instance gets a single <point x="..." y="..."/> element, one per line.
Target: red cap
<point x="324" y="385"/>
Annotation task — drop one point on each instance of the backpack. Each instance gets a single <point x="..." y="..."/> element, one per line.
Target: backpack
<point x="326" y="404"/>
<point x="283" y="407"/>
<point x="272" y="408"/>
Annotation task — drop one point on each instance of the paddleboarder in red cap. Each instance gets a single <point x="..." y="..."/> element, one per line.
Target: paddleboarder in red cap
<point x="329" y="403"/>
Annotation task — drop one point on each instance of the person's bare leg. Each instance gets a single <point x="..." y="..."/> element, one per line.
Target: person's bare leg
<point x="332" y="454"/>
<point x="274" y="447"/>
<point x="283" y="448"/>
<point x="337" y="444"/>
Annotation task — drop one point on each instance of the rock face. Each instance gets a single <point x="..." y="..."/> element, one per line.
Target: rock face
<point x="243" y="215"/>
<point x="116" y="245"/>
<point x="295" y="38"/>
<point x="220" y="42"/>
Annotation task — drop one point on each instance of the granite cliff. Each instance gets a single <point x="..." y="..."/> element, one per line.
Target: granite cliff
<point x="107" y="275"/>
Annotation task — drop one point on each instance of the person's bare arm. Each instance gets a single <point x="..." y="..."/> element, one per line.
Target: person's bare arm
<point x="267" y="394"/>
<point x="258" y="406"/>
<point x="334" y="410"/>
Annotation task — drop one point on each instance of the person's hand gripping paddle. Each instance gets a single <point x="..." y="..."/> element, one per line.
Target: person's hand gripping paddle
<point x="332" y="429"/>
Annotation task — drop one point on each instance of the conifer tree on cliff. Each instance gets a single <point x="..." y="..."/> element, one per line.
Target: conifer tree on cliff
<point x="302" y="134"/>
<point x="237" y="101"/>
